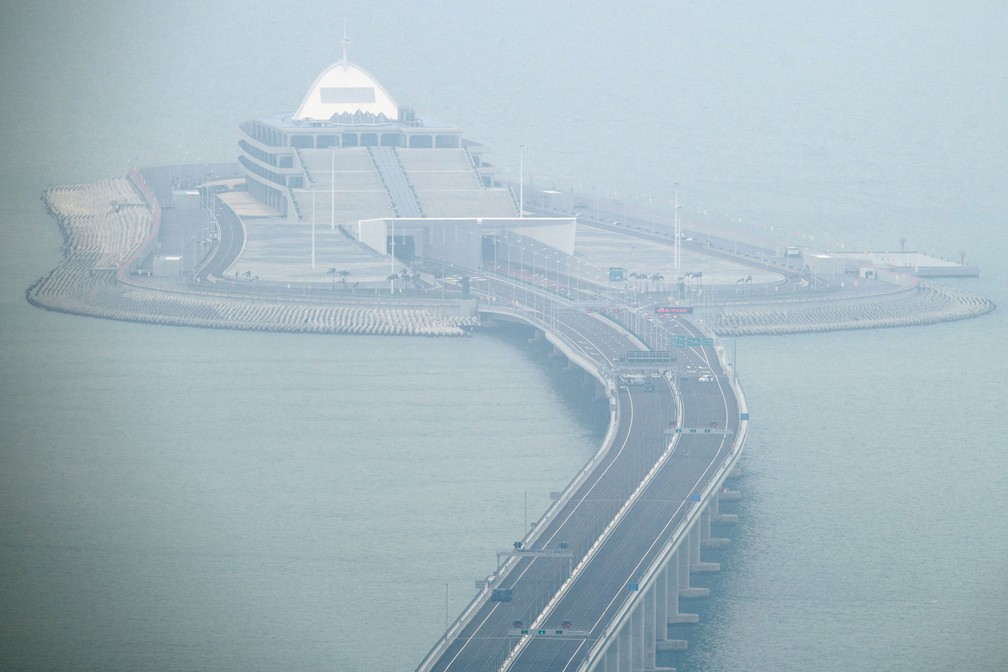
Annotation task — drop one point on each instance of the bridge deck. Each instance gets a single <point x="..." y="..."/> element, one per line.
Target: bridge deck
<point x="590" y="601"/>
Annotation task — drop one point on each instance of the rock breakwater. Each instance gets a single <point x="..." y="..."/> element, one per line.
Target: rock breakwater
<point x="927" y="304"/>
<point x="104" y="223"/>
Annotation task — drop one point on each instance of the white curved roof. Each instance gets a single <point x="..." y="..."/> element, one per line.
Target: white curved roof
<point x="345" y="88"/>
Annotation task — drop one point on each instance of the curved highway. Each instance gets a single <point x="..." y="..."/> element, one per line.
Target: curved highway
<point x="608" y="527"/>
<point x="491" y="637"/>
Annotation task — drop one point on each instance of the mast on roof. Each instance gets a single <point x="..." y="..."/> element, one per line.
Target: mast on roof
<point x="346" y="45"/>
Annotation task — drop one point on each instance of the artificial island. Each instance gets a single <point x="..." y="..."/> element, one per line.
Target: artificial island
<point x="354" y="215"/>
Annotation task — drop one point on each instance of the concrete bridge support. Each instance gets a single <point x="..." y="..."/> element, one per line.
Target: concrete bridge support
<point x="625" y="642"/>
<point x="680" y="565"/>
<point x="706" y="519"/>
<point x="610" y="663"/>
<point x="645" y="631"/>
<point x="637" y="637"/>
<point x="696" y="539"/>
<point x="685" y="591"/>
<point x="649" y="614"/>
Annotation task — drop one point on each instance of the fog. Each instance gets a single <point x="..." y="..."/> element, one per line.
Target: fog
<point x="875" y="503"/>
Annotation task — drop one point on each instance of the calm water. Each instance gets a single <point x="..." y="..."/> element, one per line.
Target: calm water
<point x="178" y="499"/>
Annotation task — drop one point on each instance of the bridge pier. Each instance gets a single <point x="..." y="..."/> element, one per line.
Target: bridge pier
<point x="662" y="606"/>
<point x="696" y="535"/>
<point x="637" y="637"/>
<point x="730" y="495"/>
<point x="600" y="391"/>
<point x="718" y="518"/>
<point x="708" y="516"/>
<point x="645" y="632"/>
<point x="650" y="629"/>
<point x="625" y="643"/>
<point x="681" y="560"/>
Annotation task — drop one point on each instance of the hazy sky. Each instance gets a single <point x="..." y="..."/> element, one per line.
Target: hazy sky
<point x="801" y="113"/>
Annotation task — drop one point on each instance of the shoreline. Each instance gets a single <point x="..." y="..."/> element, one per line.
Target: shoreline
<point x="105" y="232"/>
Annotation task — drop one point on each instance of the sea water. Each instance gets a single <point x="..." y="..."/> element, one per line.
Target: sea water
<point x="179" y="499"/>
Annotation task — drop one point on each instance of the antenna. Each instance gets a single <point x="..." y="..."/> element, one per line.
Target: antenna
<point x="677" y="231"/>
<point x="346" y="45"/>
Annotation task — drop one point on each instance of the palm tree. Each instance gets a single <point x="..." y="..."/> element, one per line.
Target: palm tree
<point x="344" y="274"/>
<point x="405" y="276"/>
<point x="332" y="272"/>
<point x="392" y="278"/>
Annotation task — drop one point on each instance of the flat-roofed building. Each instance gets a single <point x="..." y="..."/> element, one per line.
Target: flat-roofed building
<point x="349" y="141"/>
<point x="351" y="159"/>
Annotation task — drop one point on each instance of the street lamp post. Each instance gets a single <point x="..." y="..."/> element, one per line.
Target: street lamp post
<point x="677" y="232"/>
<point x="313" y="225"/>
<point x="521" y="181"/>
<point x="332" y="192"/>
<point x="392" y="257"/>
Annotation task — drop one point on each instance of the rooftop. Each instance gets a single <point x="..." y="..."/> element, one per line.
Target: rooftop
<point x="346" y="89"/>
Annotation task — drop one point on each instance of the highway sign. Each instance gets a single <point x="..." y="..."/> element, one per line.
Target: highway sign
<point x="648" y="357"/>
<point x="615" y="274"/>
<point x="674" y="310"/>
<point x="633" y="586"/>
<point x="555" y="632"/>
<point x="694" y="498"/>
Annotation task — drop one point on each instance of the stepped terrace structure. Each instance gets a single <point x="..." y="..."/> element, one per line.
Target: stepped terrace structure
<point x="350" y="152"/>
<point x="351" y="160"/>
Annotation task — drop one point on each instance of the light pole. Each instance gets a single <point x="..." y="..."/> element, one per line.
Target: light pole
<point x="313" y="226"/>
<point x="521" y="181"/>
<point x="677" y="231"/>
<point x="557" y="256"/>
<point x="392" y="257"/>
<point x="521" y="263"/>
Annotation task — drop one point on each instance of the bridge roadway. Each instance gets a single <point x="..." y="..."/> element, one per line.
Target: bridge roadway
<point x="643" y="431"/>
<point x="639" y="438"/>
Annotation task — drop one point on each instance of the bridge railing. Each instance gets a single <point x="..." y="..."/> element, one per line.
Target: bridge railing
<point x="547" y="322"/>
<point x="604" y="641"/>
<point x="593" y="550"/>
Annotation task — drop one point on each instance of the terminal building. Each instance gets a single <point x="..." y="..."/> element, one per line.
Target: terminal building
<point x="351" y="157"/>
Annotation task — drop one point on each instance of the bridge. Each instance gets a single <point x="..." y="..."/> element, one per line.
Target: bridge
<point x="596" y="582"/>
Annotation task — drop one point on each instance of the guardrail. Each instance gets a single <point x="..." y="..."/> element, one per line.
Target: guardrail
<point x="604" y="641"/>
<point x="536" y="319"/>
<point x="620" y="515"/>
